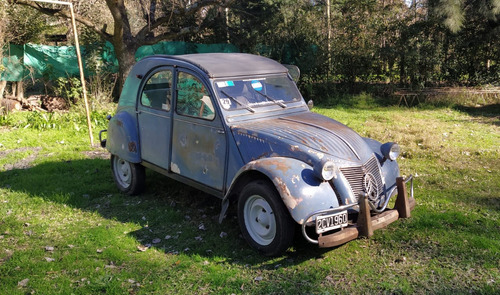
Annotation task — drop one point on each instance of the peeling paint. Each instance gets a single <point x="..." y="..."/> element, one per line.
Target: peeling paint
<point x="290" y="201"/>
<point x="175" y="168"/>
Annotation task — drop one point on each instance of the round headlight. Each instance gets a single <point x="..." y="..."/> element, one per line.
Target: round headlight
<point x="325" y="170"/>
<point x="390" y="150"/>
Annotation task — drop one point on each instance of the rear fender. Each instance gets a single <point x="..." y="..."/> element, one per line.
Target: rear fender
<point x="300" y="190"/>
<point x="123" y="139"/>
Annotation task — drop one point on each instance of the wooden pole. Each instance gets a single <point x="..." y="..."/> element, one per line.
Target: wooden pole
<point x="82" y="76"/>
<point x="80" y="63"/>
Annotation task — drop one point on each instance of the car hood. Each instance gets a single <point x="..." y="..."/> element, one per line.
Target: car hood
<point x="307" y="136"/>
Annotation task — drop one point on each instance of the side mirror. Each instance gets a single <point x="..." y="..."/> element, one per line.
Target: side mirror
<point x="294" y="72"/>
<point x="310" y="104"/>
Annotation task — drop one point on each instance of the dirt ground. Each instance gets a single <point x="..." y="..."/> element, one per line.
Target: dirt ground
<point x="27" y="162"/>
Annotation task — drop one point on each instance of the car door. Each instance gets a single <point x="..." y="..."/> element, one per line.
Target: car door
<point x="154" y="116"/>
<point x="198" y="137"/>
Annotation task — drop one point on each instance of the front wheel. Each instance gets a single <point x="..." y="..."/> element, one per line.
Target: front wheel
<point x="129" y="177"/>
<point x="264" y="220"/>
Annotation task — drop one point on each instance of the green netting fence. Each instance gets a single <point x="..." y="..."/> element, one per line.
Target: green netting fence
<point x="21" y="62"/>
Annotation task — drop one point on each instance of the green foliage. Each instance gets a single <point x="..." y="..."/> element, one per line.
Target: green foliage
<point x="75" y="120"/>
<point x="42" y="121"/>
<point x="24" y="25"/>
<point x="429" y="43"/>
<point x="68" y="88"/>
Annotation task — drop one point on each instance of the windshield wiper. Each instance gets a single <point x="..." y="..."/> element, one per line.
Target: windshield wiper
<point x="240" y="103"/>
<point x="270" y="98"/>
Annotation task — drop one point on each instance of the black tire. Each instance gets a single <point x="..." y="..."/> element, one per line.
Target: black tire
<point x="129" y="177"/>
<point x="264" y="220"/>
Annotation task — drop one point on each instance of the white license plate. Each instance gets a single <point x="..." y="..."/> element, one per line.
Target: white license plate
<point x="328" y="222"/>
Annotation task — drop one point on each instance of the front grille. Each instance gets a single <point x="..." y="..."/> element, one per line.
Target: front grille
<point x="357" y="178"/>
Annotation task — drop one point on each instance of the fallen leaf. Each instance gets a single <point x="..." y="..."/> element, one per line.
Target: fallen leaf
<point x="49" y="248"/>
<point x="142" y="248"/>
<point x="156" y="241"/>
<point x="223" y="234"/>
<point x="258" y="279"/>
<point x="48" y="259"/>
<point x="23" y="283"/>
<point x="99" y="250"/>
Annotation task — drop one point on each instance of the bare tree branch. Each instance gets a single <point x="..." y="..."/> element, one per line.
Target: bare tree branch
<point x="143" y="34"/>
<point x="171" y="35"/>
<point x="64" y="14"/>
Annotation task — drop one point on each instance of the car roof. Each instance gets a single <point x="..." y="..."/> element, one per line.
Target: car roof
<point x="218" y="65"/>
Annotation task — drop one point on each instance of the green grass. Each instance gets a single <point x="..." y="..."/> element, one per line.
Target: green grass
<point x="65" y="227"/>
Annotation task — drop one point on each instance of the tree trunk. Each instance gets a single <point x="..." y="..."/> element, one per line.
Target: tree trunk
<point x="124" y="42"/>
<point x="20" y="90"/>
<point x="3" y="84"/>
<point x="126" y="59"/>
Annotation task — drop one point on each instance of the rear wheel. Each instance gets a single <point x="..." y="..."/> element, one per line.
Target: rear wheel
<point x="129" y="177"/>
<point x="264" y="220"/>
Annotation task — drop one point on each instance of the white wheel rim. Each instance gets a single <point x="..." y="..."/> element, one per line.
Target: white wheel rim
<point x="259" y="220"/>
<point x="123" y="172"/>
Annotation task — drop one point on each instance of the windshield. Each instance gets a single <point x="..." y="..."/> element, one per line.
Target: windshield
<point x="253" y="93"/>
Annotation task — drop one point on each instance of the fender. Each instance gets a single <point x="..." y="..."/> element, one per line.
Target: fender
<point x="301" y="191"/>
<point x="123" y="139"/>
<point x="389" y="168"/>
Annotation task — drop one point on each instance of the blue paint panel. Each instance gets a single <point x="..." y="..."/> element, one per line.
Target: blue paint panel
<point x="123" y="139"/>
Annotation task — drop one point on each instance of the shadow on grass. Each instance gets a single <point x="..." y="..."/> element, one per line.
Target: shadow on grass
<point x="491" y="112"/>
<point x="173" y="217"/>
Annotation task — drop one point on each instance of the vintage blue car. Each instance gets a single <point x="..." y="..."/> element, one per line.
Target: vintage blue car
<point x="235" y="125"/>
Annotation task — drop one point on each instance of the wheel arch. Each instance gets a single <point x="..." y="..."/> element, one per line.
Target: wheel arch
<point x="300" y="190"/>
<point x="123" y="137"/>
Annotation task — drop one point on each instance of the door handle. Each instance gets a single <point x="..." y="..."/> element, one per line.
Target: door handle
<point x="221" y="131"/>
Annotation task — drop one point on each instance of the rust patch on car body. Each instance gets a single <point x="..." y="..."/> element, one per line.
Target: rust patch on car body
<point x="132" y="147"/>
<point x="290" y="201"/>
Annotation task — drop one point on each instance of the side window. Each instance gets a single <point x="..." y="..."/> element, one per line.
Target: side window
<point x="157" y="93"/>
<point x="192" y="98"/>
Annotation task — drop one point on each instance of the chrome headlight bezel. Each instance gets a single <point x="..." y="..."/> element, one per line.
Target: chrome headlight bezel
<point x="390" y="150"/>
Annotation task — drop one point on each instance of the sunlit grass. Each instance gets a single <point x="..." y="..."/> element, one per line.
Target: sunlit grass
<point x="65" y="228"/>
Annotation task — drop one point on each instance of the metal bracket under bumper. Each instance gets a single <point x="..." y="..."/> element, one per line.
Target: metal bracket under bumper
<point x="366" y="223"/>
<point x="102" y="141"/>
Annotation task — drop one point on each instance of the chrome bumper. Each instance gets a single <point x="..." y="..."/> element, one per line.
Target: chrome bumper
<point x="366" y="223"/>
